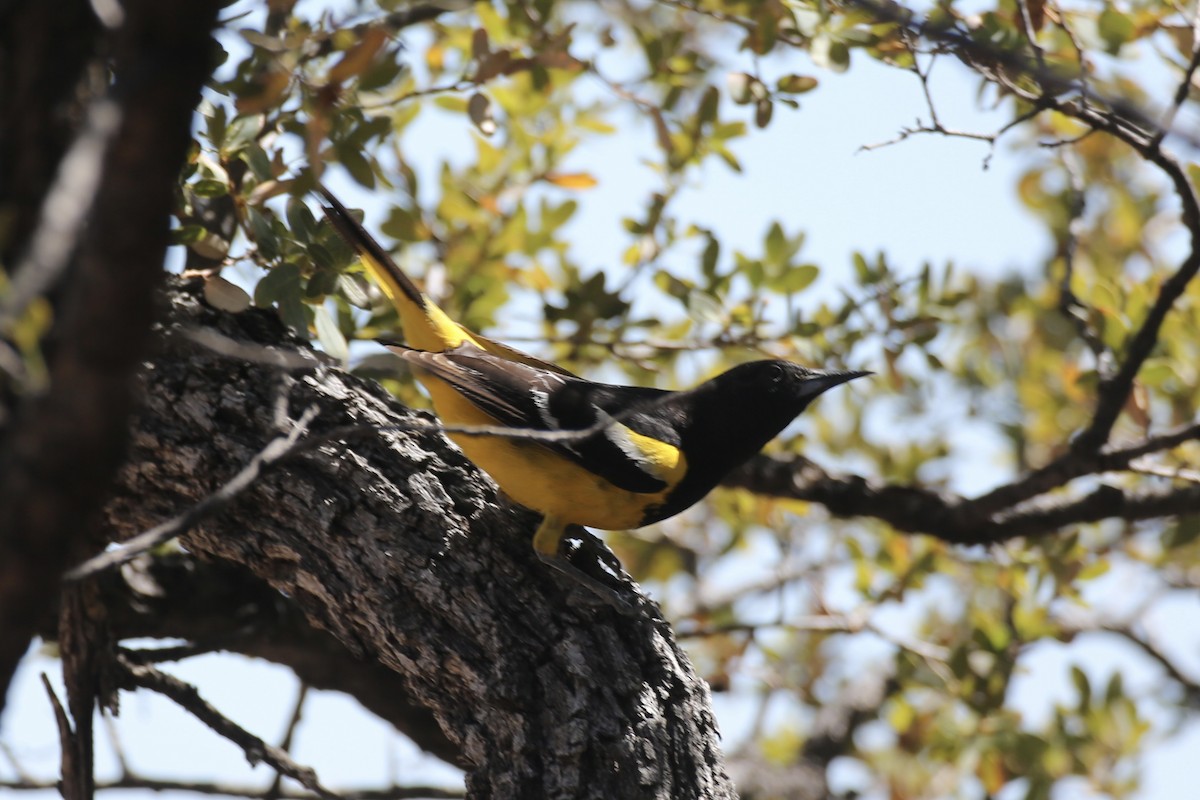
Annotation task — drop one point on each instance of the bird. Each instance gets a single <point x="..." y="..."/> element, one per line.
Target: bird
<point x="581" y="452"/>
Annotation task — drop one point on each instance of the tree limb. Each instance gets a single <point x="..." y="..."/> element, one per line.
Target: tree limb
<point x="398" y="548"/>
<point x="61" y="446"/>
<point x="915" y="509"/>
<point x="219" y="606"/>
<point x="235" y="790"/>
<point x="185" y="695"/>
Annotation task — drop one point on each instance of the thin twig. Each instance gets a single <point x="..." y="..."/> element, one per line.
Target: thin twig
<point x="162" y="655"/>
<point x="1114" y="390"/>
<point x="1143" y="467"/>
<point x="255" y="749"/>
<point x="274" y="792"/>
<point x="234" y="790"/>
<point x="250" y="352"/>
<point x="1031" y="35"/>
<point x="114" y="741"/>
<point x="460" y="85"/>
<point x="1185" y="86"/>
<point x="65" y="733"/>
<point x="1190" y="687"/>
<point x="1051" y="144"/>
<point x="14" y="762"/>
<point x="1068" y="303"/>
<point x="1120" y="458"/>
<point x="825" y="623"/>
<point x="74" y="782"/>
<point x="1126" y="630"/>
<point x="1121" y="119"/>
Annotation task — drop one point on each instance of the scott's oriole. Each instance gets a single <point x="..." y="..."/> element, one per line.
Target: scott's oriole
<point x="642" y="454"/>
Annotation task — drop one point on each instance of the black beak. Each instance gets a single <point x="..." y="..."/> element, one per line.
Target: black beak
<point x="823" y="380"/>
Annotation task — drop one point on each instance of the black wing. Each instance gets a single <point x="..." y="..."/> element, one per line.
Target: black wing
<point x="521" y="396"/>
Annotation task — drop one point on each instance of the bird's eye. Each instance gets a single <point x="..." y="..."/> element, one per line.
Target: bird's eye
<point x="776" y="373"/>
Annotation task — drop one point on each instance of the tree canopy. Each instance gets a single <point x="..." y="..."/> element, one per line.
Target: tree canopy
<point x="843" y="589"/>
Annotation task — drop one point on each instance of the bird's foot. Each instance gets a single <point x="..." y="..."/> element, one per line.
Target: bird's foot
<point x="595" y="589"/>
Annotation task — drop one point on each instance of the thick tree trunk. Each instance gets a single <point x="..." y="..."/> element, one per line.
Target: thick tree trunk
<point x="62" y="436"/>
<point x="400" y="549"/>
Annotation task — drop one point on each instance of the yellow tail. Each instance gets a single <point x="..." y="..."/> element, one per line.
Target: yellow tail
<point x="426" y="327"/>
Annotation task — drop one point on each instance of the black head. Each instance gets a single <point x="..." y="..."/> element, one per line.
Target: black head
<point x="724" y="421"/>
<point x="781" y="380"/>
<point x="745" y="407"/>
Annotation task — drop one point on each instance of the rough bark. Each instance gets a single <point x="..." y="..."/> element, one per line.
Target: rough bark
<point x="397" y="547"/>
<point x="40" y="104"/>
<point x="219" y="606"/>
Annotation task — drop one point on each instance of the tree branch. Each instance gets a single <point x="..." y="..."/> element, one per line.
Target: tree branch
<point x="1122" y="120"/>
<point x="222" y="607"/>
<point x="62" y="446"/>
<point x="234" y="790"/>
<point x="915" y="509"/>
<point x="399" y="548"/>
<point x="275" y="451"/>
<point x="186" y="696"/>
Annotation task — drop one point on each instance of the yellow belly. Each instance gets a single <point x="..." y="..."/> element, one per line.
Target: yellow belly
<point x="536" y="477"/>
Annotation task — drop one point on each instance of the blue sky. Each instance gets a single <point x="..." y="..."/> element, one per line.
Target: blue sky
<point x="926" y="199"/>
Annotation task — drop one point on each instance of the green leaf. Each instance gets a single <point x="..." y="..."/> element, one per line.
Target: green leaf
<point x="741" y="87"/>
<point x="1115" y="27"/>
<point x="216" y="119"/>
<point x="295" y="313"/>
<point x="454" y="103"/>
<point x="750" y="268"/>
<point x="322" y="258"/>
<point x="401" y="225"/>
<point x="353" y="291"/>
<point x="1094" y="570"/>
<point x="281" y="282"/>
<point x="329" y="335"/>
<point x="209" y="187"/>
<point x="708" y="259"/>
<point x="708" y="106"/>
<point x="322" y="283"/>
<point x="1116" y="688"/>
<point x="669" y="284"/>
<point x="555" y="216"/>
<point x="300" y="220"/>
<point x="763" y="111"/>
<point x="796" y="279"/>
<point x="357" y="165"/>
<point x="1156" y="372"/>
<point x="1193" y="171"/>
<point x="258" y="161"/>
<point x="242" y="132"/>
<point x="776" y="245"/>
<point x="188" y="234"/>
<point x="704" y="307"/>
<point x="828" y="53"/>
<point x="796" y="84"/>
<point x="1082" y="686"/>
<point x="901" y="714"/>
<point x="263" y="233"/>
<point x="728" y="157"/>
<point x="1182" y="533"/>
<point x="863" y="272"/>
